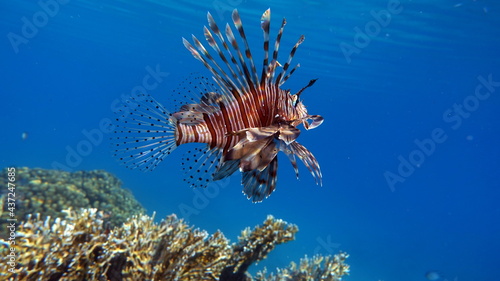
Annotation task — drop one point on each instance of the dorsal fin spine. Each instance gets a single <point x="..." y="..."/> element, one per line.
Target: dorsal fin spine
<point x="211" y="41"/>
<point x="216" y="30"/>
<point x="239" y="26"/>
<point x="279" y="80"/>
<point x="265" y="23"/>
<point x="234" y="44"/>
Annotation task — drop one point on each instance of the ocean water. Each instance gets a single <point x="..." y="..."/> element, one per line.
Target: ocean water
<point x="409" y="149"/>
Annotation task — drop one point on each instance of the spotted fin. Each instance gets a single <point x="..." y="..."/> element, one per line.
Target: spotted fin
<point x="199" y="166"/>
<point x="194" y="89"/>
<point x="144" y="133"/>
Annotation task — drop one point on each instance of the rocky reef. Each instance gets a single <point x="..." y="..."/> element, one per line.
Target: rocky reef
<point x="48" y="192"/>
<point x="83" y="247"/>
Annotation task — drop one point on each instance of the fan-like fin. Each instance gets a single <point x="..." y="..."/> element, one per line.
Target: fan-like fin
<point x="144" y="133"/>
<point x="225" y="169"/>
<point x="258" y="185"/>
<point x="199" y="165"/>
<point x="253" y="154"/>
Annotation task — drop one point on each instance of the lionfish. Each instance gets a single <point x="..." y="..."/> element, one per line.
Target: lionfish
<point x="243" y="119"/>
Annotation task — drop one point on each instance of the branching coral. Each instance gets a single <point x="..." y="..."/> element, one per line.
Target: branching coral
<point x="84" y="247"/>
<point x="254" y="246"/>
<point x="313" y="269"/>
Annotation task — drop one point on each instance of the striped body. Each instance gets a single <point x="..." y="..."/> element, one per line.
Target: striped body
<point x="244" y="119"/>
<point x="258" y="109"/>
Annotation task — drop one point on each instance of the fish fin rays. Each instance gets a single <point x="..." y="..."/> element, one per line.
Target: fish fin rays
<point x="257" y="151"/>
<point x="296" y="149"/>
<point x="144" y="134"/>
<point x="233" y="67"/>
<point x="258" y="185"/>
<point x="243" y="117"/>
<point x="225" y="169"/>
<point x="197" y="94"/>
<point x="199" y="165"/>
<point x="203" y="165"/>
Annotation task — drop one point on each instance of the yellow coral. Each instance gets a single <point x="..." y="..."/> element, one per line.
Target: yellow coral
<point x="312" y="269"/>
<point x="83" y="247"/>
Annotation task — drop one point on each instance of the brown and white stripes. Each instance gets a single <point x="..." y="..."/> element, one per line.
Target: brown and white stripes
<point x="244" y="122"/>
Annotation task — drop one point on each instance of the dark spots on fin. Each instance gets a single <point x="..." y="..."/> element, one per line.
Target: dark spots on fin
<point x="191" y="91"/>
<point x="143" y="134"/>
<point x="198" y="165"/>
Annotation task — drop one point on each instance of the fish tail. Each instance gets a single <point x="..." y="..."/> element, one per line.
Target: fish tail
<point x="144" y="133"/>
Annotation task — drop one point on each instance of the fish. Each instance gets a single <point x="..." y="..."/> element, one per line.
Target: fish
<point x="242" y="119"/>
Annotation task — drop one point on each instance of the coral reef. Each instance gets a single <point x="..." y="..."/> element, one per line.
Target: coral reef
<point x="254" y="246"/>
<point x="83" y="247"/>
<point x="49" y="191"/>
<point x="310" y="269"/>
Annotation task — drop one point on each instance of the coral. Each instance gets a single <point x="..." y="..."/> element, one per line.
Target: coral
<point x="254" y="246"/>
<point x="310" y="270"/>
<point x="83" y="247"/>
<point x="47" y="192"/>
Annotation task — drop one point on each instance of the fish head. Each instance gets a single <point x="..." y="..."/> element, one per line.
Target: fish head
<point x="303" y="117"/>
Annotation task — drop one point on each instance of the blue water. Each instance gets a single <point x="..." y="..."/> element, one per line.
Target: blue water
<point x="412" y="80"/>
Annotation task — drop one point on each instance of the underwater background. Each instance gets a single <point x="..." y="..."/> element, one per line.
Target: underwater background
<point x="409" y="149"/>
